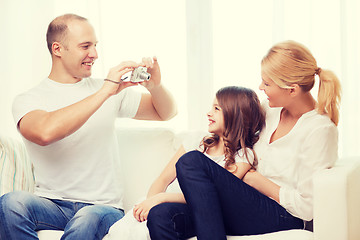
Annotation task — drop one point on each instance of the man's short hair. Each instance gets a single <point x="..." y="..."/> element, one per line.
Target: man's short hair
<point x="57" y="29"/>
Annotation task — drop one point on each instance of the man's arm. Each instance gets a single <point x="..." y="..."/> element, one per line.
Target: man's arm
<point x="44" y="128"/>
<point x="159" y="104"/>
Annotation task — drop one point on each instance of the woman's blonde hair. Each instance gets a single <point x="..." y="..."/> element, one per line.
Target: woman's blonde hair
<point x="290" y="63"/>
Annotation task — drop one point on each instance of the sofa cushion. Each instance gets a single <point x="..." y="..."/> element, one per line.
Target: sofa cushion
<point x="282" y="235"/>
<point x="15" y="166"/>
<point x="143" y="155"/>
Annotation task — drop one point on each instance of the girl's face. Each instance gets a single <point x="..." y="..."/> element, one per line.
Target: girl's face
<point x="216" y="119"/>
<point x="277" y="97"/>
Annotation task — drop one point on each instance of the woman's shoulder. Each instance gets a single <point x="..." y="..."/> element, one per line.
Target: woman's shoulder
<point x="317" y="120"/>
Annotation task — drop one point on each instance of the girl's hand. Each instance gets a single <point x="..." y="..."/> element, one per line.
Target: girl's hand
<point x="141" y="210"/>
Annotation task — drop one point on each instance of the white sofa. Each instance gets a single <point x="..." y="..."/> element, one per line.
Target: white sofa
<point x="145" y="152"/>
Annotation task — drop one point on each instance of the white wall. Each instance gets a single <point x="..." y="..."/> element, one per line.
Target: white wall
<point x="201" y="45"/>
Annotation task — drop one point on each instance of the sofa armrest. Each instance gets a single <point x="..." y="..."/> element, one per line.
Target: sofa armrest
<point x="337" y="201"/>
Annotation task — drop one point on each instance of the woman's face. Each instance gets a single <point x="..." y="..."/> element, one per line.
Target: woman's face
<point x="216" y="119"/>
<point x="277" y="97"/>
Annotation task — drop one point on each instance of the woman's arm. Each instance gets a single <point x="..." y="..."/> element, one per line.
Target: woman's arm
<point x="156" y="193"/>
<point x="241" y="169"/>
<point x="262" y="184"/>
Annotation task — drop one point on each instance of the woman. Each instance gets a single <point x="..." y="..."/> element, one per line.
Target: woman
<point x="300" y="139"/>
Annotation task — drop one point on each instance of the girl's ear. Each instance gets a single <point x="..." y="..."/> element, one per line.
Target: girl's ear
<point x="56" y="49"/>
<point x="295" y="90"/>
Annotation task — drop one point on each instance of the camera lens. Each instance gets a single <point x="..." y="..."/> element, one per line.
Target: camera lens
<point x="145" y="76"/>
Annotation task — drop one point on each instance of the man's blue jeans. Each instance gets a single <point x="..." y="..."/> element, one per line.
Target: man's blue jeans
<point x="23" y="213"/>
<point x="218" y="204"/>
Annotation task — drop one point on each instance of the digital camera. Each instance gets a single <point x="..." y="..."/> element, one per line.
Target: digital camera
<point x="140" y="74"/>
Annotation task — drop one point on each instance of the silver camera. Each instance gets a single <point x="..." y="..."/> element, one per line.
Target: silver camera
<point x="140" y="74"/>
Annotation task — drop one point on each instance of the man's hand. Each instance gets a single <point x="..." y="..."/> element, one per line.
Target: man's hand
<point x="153" y="68"/>
<point x="114" y="84"/>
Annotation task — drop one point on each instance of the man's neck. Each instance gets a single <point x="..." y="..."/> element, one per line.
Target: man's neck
<point x="63" y="78"/>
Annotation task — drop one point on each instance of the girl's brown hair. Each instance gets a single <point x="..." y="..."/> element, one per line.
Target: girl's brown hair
<point x="244" y="118"/>
<point x="290" y="63"/>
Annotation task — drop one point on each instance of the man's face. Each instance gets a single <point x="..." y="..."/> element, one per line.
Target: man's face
<point x="79" y="49"/>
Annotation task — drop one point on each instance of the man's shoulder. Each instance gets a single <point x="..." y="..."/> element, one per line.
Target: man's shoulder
<point x="33" y="90"/>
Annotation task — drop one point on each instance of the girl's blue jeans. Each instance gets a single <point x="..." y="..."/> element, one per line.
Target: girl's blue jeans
<point x="217" y="204"/>
<point x="23" y="213"/>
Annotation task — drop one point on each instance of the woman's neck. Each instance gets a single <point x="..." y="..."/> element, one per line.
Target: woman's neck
<point x="301" y="106"/>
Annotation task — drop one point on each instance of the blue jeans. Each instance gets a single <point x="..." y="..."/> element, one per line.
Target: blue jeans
<point x="218" y="204"/>
<point x="23" y="213"/>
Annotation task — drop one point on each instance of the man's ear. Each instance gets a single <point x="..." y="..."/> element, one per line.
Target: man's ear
<point x="56" y="48"/>
<point x="295" y="90"/>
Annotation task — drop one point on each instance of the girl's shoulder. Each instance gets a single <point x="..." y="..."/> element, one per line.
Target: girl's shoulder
<point x="241" y="157"/>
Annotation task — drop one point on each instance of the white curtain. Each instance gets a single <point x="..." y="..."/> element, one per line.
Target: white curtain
<point x="201" y="45"/>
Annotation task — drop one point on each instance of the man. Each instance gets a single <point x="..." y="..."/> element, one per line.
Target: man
<point x="67" y="122"/>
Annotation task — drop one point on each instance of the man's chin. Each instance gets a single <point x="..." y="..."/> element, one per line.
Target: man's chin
<point x="85" y="75"/>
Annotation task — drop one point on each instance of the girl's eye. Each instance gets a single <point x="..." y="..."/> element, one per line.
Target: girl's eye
<point x="217" y="108"/>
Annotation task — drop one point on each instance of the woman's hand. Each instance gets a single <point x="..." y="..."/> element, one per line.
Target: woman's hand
<point x="250" y="177"/>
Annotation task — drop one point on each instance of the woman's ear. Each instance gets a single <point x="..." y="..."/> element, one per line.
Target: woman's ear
<point x="56" y="49"/>
<point x="295" y="90"/>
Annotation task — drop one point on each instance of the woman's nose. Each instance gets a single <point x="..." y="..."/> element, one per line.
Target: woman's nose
<point x="261" y="86"/>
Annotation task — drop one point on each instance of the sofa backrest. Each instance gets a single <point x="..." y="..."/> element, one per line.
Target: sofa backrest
<point x="143" y="154"/>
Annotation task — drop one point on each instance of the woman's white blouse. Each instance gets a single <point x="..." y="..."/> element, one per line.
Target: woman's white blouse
<point x="292" y="160"/>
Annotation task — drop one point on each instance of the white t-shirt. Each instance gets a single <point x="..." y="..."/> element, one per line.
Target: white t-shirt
<point x="81" y="167"/>
<point x="291" y="161"/>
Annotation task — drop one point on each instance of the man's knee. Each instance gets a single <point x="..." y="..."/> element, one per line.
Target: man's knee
<point x="93" y="220"/>
<point x="16" y="202"/>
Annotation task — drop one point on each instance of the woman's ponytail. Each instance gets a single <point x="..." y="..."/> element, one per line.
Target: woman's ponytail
<point x="329" y="94"/>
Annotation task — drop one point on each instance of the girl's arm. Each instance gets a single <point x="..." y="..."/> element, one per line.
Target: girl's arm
<point x="156" y="193"/>
<point x="141" y="211"/>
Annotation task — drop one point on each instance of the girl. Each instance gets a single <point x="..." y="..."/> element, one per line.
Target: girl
<point x="235" y="121"/>
<point x="300" y="139"/>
